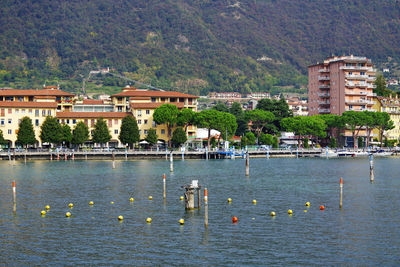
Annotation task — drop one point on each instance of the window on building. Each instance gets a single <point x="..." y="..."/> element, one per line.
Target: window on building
<point x="2" y="122"/>
<point x="86" y="122"/>
<point x="162" y="131"/>
<point x="30" y="111"/>
<point x="9" y="131"/>
<point x="3" y="111"/>
<point x="140" y="132"/>
<point x="115" y="131"/>
<point x="23" y="111"/>
<point x="145" y="121"/>
<point x="67" y="121"/>
<point x="153" y="99"/>
<point x="20" y="98"/>
<point x="145" y="131"/>
<point x="36" y="122"/>
<point x="92" y="122"/>
<point x="73" y="121"/>
<point x="16" y="111"/>
<point x="116" y="121"/>
<point x="147" y="112"/>
<point x="110" y="123"/>
<point x="9" y="121"/>
<point x="154" y="124"/>
<point x="9" y="111"/>
<point x="36" y="113"/>
<point x="49" y="113"/>
<point x="139" y="113"/>
<point x="43" y="113"/>
<point x="139" y="121"/>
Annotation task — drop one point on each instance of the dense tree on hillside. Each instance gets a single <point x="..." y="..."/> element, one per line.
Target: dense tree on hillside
<point x="167" y="114"/>
<point x="26" y="134"/>
<point x="80" y="134"/>
<point x="101" y="133"/>
<point x="50" y="131"/>
<point x="221" y="107"/>
<point x="380" y="86"/>
<point x="129" y="132"/>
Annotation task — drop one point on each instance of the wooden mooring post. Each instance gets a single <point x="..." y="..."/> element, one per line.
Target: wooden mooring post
<point x="164" y="187"/>
<point x="341" y="194"/>
<point x="14" y="197"/>
<point x="205" y="207"/>
<point x="190" y="195"/>
<point x="14" y="157"/>
<point x="171" y="163"/>
<point x="247" y="164"/>
<point x="371" y="168"/>
<point x="113" y="160"/>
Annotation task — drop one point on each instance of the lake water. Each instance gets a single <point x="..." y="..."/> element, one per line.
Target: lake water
<point x="365" y="232"/>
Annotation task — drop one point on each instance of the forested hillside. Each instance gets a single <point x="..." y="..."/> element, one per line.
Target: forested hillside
<point x="192" y="46"/>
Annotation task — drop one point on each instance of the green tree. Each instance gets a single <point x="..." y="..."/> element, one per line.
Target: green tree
<point x="221" y="107"/>
<point x="332" y="143"/>
<point x="26" y="134"/>
<point x="259" y="119"/>
<point x="305" y="142"/>
<point x="50" y="131"/>
<point x="66" y="134"/>
<point x="383" y="123"/>
<point x="279" y="108"/>
<point x="152" y="137"/>
<point x="208" y="119"/>
<point x="265" y="139"/>
<point x="2" y="140"/>
<point x="167" y="114"/>
<point x="248" y="139"/>
<point x="129" y="132"/>
<point x="101" y="133"/>
<point x="227" y="125"/>
<point x="354" y="122"/>
<point x="334" y="123"/>
<point x="242" y="124"/>
<point x="275" y="142"/>
<point x="178" y="137"/>
<point x="360" y="142"/>
<point x="185" y="118"/>
<point x="80" y="134"/>
<point x="380" y="86"/>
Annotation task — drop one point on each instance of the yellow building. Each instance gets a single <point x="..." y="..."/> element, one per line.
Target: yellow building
<point x="391" y="105"/>
<point x="142" y="104"/>
<point x="113" y="120"/>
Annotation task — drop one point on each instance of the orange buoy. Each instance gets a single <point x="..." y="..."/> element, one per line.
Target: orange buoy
<point x="234" y="219"/>
<point x="322" y="207"/>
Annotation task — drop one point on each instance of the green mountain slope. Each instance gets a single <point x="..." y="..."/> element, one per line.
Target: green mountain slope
<point x="192" y="46"/>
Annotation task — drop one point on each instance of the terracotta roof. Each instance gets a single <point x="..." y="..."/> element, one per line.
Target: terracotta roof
<point x="140" y="98"/>
<point x="154" y="94"/>
<point x="153" y="105"/>
<point x="26" y="104"/>
<point x="33" y="92"/>
<point x="93" y="102"/>
<point x="105" y="115"/>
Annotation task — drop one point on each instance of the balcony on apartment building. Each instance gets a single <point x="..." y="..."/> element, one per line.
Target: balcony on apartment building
<point x="371" y="78"/>
<point x="323" y="70"/>
<point x="363" y="85"/>
<point x="323" y="94"/>
<point x="356" y="76"/>
<point x="362" y="68"/>
<point x="359" y="102"/>
<point x="324" y="110"/>
<point x="324" y="102"/>
<point x="323" y="78"/>
<point x="360" y="109"/>
<point x="324" y="86"/>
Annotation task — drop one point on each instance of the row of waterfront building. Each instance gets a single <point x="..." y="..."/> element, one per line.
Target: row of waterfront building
<point x="68" y="109"/>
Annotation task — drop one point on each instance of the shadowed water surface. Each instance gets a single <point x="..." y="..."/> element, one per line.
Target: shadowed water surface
<point x="365" y="232"/>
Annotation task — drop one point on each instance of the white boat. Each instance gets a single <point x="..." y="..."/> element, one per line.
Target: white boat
<point x="382" y="153"/>
<point x="327" y="153"/>
<point x="345" y="153"/>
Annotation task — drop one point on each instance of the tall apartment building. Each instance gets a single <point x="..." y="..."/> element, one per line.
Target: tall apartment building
<point x="340" y="84"/>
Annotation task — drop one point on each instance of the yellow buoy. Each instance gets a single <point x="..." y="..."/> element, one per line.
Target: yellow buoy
<point x="181" y="221"/>
<point x="70" y="205"/>
<point x="254" y="201"/>
<point x="307" y="204"/>
<point x="120" y="217"/>
<point x="47" y="207"/>
<point x="148" y="220"/>
<point x="43" y="212"/>
<point x="91" y="203"/>
<point x="181" y="198"/>
<point x="272" y="213"/>
<point x="305" y="210"/>
<point x="150" y="197"/>
<point x="290" y="212"/>
<point x="229" y="200"/>
<point x="112" y="202"/>
<point x="131" y="199"/>
<point x="68" y="214"/>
